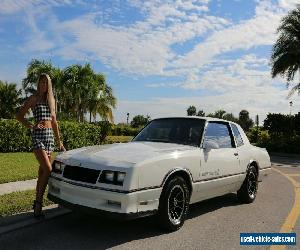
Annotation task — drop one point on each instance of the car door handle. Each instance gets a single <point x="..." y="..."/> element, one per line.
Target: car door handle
<point x="236" y="154"/>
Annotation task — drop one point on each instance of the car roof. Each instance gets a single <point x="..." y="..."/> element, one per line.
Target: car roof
<point x="195" y="117"/>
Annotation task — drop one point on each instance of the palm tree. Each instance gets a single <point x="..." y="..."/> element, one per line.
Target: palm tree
<point x="77" y="85"/>
<point x="10" y="99"/>
<point x="103" y="105"/>
<point x="106" y="103"/>
<point x="34" y="69"/>
<point x="218" y="114"/>
<point x="87" y="92"/>
<point x="77" y="89"/>
<point x="285" y="59"/>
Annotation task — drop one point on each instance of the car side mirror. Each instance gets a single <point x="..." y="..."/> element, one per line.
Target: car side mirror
<point x="208" y="145"/>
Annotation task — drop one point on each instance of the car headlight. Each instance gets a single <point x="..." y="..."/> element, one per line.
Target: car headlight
<point x="112" y="177"/>
<point x="58" y="167"/>
<point x="109" y="176"/>
<point x="120" y="176"/>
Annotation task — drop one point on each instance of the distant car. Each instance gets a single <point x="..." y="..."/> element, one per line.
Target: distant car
<point x="170" y="164"/>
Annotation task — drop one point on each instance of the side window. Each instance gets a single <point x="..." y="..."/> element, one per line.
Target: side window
<point x="219" y="133"/>
<point x="237" y="135"/>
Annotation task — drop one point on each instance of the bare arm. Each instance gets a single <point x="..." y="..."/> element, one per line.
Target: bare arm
<point x="30" y="102"/>
<point x="56" y="132"/>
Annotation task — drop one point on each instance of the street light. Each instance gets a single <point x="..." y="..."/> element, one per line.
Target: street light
<point x="291" y="104"/>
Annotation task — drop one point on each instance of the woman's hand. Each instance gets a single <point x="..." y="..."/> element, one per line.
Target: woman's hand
<point x="61" y="147"/>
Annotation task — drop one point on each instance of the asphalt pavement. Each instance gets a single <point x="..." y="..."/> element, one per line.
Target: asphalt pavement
<point x="212" y="224"/>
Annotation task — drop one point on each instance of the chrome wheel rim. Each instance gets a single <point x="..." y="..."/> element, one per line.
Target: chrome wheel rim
<point x="176" y="204"/>
<point x="252" y="184"/>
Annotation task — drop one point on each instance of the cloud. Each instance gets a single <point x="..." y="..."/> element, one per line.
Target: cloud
<point x="247" y="72"/>
<point x="13" y="6"/>
<point x="288" y="4"/>
<point x="255" y="32"/>
<point x="143" y="48"/>
<point x="155" y="44"/>
<point x="261" y="101"/>
<point x="159" y="85"/>
<point x="233" y="84"/>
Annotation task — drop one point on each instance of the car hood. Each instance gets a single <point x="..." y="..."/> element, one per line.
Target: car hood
<point x="119" y="154"/>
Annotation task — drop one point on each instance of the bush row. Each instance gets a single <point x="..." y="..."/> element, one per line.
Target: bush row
<point x="275" y="143"/>
<point x="16" y="138"/>
<point x="124" y="130"/>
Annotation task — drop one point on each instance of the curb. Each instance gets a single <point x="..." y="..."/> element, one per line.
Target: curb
<point x="21" y="220"/>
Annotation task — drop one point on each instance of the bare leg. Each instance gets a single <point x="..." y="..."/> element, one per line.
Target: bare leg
<point x="38" y="183"/>
<point x="44" y="172"/>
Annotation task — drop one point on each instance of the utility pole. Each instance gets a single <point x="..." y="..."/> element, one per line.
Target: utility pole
<point x="291" y="104"/>
<point x="127" y="118"/>
<point x="257" y="122"/>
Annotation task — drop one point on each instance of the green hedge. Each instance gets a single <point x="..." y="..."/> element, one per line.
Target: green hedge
<point x="275" y="142"/>
<point x="16" y="138"/>
<point x="124" y="130"/>
<point x="282" y="144"/>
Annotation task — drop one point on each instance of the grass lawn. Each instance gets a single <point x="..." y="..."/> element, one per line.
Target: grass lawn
<point x="17" y="202"/>
<point x="18" y="166"/>
<point x="114" y="139"/>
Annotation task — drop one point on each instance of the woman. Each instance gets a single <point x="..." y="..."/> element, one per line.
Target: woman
<point x="43" y="107"/>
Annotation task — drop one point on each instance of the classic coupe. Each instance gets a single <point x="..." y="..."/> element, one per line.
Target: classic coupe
<point x="171" y="163"/>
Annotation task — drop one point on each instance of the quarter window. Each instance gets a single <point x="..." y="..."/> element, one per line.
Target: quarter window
<point x="237" y="135"/>
<point x="220" y="134"/>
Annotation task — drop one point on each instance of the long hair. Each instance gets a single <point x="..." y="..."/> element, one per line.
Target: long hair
<point x="50" y="96"/>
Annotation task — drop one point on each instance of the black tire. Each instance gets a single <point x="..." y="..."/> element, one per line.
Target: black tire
<point x="247" y="192"/>
<point x="173" y="204"/>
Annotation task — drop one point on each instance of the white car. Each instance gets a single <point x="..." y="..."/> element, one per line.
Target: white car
<point x="170" y="164"/>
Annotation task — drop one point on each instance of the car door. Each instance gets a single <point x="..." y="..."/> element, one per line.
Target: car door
<point x="219" y="165"/>
<point x="242" y="149"/>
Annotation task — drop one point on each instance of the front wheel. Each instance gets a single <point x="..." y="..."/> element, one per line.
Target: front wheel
<point x="173" y="204"/>
<point x="248" y="190"/>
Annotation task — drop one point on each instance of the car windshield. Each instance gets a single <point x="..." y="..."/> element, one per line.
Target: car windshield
<point x="187" y="131"/>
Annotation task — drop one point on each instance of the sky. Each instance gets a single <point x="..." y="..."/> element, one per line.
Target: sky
<point x="159" y="56"/>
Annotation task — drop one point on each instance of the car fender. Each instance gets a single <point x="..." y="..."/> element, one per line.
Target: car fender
<point x="179" y="170"/>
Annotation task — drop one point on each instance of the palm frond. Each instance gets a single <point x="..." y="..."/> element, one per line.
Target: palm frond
<point x="285" y="58"/>
<point x="283" y="64"/>
<point x="296" y="88"/>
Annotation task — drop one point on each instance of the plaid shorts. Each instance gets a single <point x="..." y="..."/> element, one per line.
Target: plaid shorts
<point x="43" y="138"/>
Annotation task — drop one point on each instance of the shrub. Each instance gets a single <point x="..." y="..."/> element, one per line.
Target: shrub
<point x="124" y="130"/>
<point x="16" y="138"/>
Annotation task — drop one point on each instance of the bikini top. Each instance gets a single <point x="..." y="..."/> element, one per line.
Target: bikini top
<point x="41" y="111"/>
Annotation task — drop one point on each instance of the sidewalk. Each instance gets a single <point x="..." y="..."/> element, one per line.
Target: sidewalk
<point x="10" y="187"/>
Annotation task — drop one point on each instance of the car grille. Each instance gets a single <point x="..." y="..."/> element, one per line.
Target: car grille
<point x="81" y="174"/>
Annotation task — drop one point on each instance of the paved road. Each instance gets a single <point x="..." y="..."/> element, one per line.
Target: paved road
<point x="212" y="224"/>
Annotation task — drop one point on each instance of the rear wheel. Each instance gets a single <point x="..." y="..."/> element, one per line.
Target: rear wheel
<point x="247" y="192"/>
<point x="173" y="204"/>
